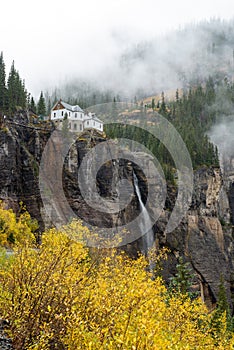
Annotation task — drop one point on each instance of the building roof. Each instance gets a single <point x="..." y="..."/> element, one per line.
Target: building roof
<point x="93" y="118"/>
<point x="69" y="107"/>
<point x="66" y="105"/>
<point x="75" y="108"/>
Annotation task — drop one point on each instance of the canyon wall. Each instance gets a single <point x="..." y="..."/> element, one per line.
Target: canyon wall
<point x="204" y="238"/>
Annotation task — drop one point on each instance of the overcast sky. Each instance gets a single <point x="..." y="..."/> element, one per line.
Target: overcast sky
<point x="53" y="40"/>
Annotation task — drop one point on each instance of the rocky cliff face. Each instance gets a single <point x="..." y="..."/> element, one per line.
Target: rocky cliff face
<point x="20" y="153"/>
<point x="204" y="237"/>
<point x="227" y="165"/>
<point x="209" y="234"/>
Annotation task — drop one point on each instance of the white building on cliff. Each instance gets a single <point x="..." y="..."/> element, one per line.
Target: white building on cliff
<point x="77" y="119"/>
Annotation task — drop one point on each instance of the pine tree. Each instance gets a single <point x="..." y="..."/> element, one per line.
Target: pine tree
<point x="32" y="105"/>
<point x="2" y="84"/>
<point x="17" y="94"/>
<point x="28" y="100"/>
<point x="163" y="104"/>
<point x="182" y="281"/>
<point x="41" y="107"/>
<point x="12" y="88"/>
<point x="221" y="309"/>
<point x="22" y="93"/>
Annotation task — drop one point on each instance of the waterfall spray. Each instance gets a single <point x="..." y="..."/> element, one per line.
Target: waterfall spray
<point x="148" y="237"/>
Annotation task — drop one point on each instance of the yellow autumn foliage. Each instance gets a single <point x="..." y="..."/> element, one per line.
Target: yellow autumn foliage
<point x="15" y="229"/>
<point x="58" y="297"/>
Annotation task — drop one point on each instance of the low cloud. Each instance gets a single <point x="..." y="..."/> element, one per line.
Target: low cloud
<point x="221" y="135"/>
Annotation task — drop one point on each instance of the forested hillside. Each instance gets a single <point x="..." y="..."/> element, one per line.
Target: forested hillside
<point x="14" y="95"/>
<point x="192" y="113"/>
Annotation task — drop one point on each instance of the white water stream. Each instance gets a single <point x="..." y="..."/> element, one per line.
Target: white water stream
<point x="148" y="235"/>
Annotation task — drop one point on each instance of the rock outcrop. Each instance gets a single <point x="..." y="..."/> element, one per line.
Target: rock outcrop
<point x="20" y="153"/>
<point x="209" y="244"/>
<point x="204" y="237"/>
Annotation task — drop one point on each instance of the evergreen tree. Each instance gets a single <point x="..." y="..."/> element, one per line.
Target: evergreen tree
<point x="163" y="104"/>
<point x="222" y="308"/>
<point x="12" y="88"/>
<point x="41" y="106"/>
<point x="177" y="95"/>
<point x="182" y="281"/>
<point x="32" y="105"/>
<point x="22" y="93"/>
<point x="2" y="84"/>
<point x="28" y="100"/>
<point x="17" y="94"/>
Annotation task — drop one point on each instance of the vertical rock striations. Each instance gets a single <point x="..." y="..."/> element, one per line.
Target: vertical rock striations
<point x="204" y="237"/>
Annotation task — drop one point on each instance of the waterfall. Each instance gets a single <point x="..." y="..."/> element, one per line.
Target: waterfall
<point x="148" y="237"/>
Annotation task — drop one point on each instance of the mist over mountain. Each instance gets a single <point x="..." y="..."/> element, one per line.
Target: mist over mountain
<point x="178" y="59"/>
<point x="221" y="134"/>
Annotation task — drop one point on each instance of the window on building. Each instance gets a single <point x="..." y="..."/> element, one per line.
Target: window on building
<point x="55" y="115"/>
<point x="75" y="115"/>
<point x="69" y="114"/>
<point x="87" y="122"/>
<point x="80" y="127"/>
<point x="69" y="126"/>
<point x="62" y="113"/>
<point x="75" y="127"/>
<point x="81" y="116"/>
